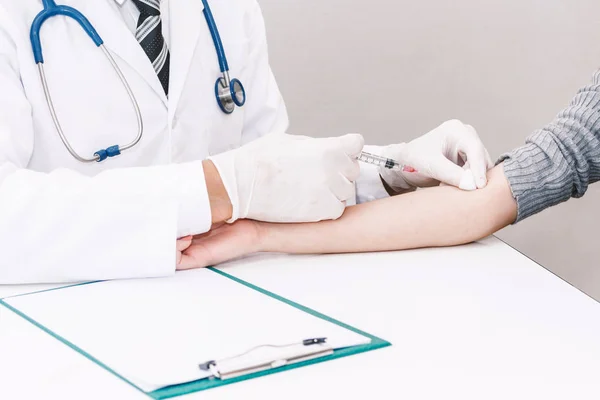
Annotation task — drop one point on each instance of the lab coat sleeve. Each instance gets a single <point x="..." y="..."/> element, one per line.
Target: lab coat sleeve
<point x="369" y="186"/>
<point x="63" y="226"/>
<point x="265" y="111"/>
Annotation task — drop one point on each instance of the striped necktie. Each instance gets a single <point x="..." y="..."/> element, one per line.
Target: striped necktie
<point x="150" y="37"/>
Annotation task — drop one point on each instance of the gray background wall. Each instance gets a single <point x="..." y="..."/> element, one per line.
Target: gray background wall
<point x="394" y="69"/>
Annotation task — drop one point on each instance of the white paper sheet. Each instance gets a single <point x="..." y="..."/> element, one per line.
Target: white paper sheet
<point x="155" y="332"/>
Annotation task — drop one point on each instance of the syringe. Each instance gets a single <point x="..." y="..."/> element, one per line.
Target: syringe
<point x="384" y="162"/>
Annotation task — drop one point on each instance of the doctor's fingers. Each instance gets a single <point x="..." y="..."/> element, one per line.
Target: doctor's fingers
<point x="340" y="163"/>
<point x="332" y="209"/>
<point x="445" y="171"/>
<point x="341" y="155"/>
<point x="490" y="162"/>
<point x="351" y="144"/>
<point x="341" y="187"/>
<point x="478" y="158"/>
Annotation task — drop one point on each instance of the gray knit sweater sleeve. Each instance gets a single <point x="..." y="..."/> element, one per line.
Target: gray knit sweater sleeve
<point x="561" y="160"/>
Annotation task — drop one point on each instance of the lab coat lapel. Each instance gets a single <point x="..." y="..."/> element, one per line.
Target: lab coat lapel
<point x="117" y="37"/>
<point x="186" y="22"/>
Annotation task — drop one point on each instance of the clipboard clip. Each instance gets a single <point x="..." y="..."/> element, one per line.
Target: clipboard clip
<point x="264" y="357"/>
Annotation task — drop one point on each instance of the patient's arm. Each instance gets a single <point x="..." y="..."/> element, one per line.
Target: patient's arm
<point x="441" y="216"/>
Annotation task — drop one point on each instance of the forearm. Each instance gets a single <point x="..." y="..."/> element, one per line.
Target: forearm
<point x="441" y="216"/>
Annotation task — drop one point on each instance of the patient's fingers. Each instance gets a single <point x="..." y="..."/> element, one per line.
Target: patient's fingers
<point x="184" y="243"/>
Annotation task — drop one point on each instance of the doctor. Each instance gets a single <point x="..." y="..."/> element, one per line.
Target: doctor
<point x="108" y="155"/>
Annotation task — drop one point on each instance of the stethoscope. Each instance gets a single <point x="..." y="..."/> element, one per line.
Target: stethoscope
<point x="229" y="92"/>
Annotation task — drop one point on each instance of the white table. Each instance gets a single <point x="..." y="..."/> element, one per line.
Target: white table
<point x="473" y="322"/>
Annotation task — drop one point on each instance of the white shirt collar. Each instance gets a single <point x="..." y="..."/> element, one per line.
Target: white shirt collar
<point x="120" y="2"/>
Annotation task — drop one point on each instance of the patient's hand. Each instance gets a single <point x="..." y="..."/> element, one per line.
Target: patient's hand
<point x="222" y="243"/>
<point x="440" y="216"/>
<point x="182" y="245"/>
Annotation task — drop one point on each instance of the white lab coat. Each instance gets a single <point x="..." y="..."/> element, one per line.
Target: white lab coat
<point x="62" y="220"/>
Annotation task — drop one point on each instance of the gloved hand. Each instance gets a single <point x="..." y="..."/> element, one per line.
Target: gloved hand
<point x="286" y="178"/>
<point x="451" y="154"/>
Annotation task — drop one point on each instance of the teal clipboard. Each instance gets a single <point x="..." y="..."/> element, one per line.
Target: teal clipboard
<point x="209" y="383"/>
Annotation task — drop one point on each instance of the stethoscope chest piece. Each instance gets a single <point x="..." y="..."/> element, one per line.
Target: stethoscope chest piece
<point x="229" y="95"/>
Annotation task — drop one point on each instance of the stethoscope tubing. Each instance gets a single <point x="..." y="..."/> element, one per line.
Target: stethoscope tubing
<point x="226" y="98"/>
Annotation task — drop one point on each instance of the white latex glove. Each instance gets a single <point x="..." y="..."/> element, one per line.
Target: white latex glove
<point x="439" y="157"/>
<point x="288" y="178"/>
